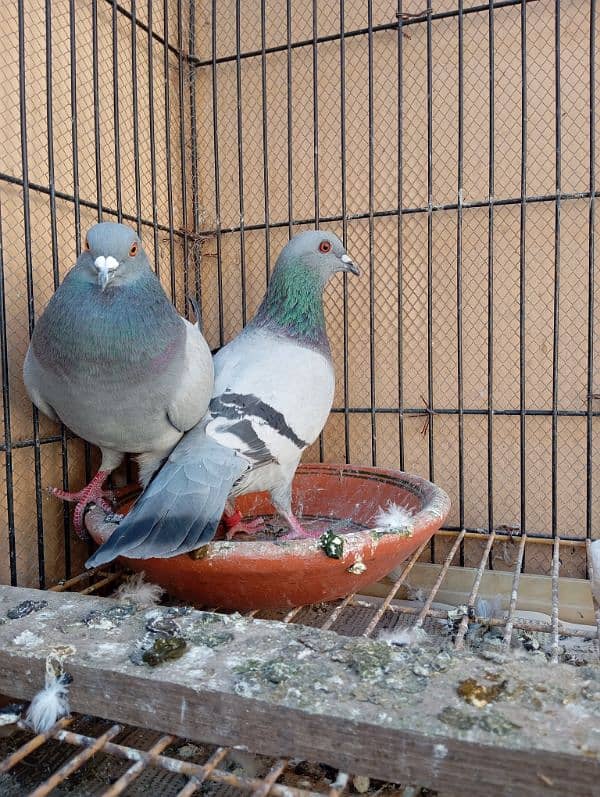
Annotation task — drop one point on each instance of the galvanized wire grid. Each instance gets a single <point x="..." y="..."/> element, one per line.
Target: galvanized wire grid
<point x="132" y="761"/>
<point x="452" y="146"/>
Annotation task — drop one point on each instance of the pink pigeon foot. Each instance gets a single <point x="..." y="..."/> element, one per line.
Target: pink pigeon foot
<point x="91" y="493"/>
<point x="297" y="532"/>
<point x="235" y="525"/>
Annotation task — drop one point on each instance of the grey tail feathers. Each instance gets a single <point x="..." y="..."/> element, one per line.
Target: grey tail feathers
<point x="181" y="507"/>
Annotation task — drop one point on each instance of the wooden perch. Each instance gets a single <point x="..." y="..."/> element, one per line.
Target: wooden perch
<point x="418" y="714"/>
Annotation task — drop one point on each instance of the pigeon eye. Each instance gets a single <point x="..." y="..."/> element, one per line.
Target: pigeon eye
<point x="86" y="245"/>
<point x="133" y="250"/>
<point x="325" y="246"/>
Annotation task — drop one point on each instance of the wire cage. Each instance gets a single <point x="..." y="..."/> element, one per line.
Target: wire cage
<point x="451" y="145"/>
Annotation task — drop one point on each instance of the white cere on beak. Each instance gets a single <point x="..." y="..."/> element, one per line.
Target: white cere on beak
<point x="105" y="266"/>
<point x="106" y="263"/>
<point x="346" y="259"/>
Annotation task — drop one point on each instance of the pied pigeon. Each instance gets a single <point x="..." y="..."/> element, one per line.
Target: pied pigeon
<point x="274" y="386"/>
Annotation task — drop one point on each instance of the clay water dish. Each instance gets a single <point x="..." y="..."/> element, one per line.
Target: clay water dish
<point x="268" y="573"/>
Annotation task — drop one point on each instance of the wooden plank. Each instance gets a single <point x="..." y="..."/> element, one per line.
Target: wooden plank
<point x="293" y="691"/>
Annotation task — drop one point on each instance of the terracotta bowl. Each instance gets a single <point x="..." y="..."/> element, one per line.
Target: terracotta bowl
<point x="250" y="574"/>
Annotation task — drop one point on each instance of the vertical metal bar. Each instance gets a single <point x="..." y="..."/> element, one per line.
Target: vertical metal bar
<point x="591" y="270"/>
<point x="555" y="603"/>
<point x="55" y="267"/>
<point x="490" y="302"/>
<point x="182" y="67"/>
<point x="430" y="252"/>
<point x="8" y="460"/>
<point x="96" y="91"/>
<point x="400" y="230"/>
<point x="317" y="201"/>
<point x="195" y="171"/>
<point x="522" y="263"/>
<point x="344" y="177"/>
<point x="265" y="134"/>
<point x="371" y="233"/>
<point x="514" y="592"/>
<point x="116" y="110"/>
<point x="459" y="288"/>
<point x="167" y="77"/>
<point x="30" y="295"/>
<point x="290" y="118"/>
<point x="136" y="119"/>
<point x="215" y="117"/>
<point x="74" y="138"/>
<point x="75" y="151"/>
<point x="238" y="81"/>
<point x="556" y="314"/>
<point x="152" y="139"/>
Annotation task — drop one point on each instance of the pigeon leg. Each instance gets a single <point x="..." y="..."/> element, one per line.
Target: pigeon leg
<point x="297" y="532"/>
<point x="91" y="493"/>
<point x="236" y="525"/>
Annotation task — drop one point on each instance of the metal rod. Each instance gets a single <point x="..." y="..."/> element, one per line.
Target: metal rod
<point x="22" y="752"/>
<point x="438" y="582"/>
<point x="399" y="233"/>
<point x="240" y="140"/>
<point x="265" y="136"/>
<point x="394" y="590"/>
<point x="373" y="395"/>
<point x="269" y="779"/>
<point x="430" y="396"/>
<point x="413" y="19"/>
<point x="150" y="52"/>
<point x="556" y="297"/>
<point x="8" y="459"/>
<point x="514" y="593"/>
<point x="168" y="155"/>
<point x="490" y="253"/>
<point x="215" y="120"/>
<point x="591" y="271"/>
<point x="178" y="766"/>
<point x="344" y="203"/>
<point x="135" y="117"/>
<point x="522" y="276"/>
<point x="197" y="780"/>
<point x="555" y="582"/>
<point x="459" y="287"/>
<point x="410" y="210"/>
<point x="135" y="770"/>
<point x="75" y="763"/>
<point x="464" y="623"/>
<point x="29" y="288"/>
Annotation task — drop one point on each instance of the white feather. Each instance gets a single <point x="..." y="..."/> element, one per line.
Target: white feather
<point x="136" y="590"/>
<point x="393" y="516"/>
<point x="403" y="636"/>
<point x="595" y="557"/>
<point x="48" y="705"/>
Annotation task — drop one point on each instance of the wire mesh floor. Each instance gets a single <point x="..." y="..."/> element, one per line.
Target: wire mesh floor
<point x="85" y="755"/>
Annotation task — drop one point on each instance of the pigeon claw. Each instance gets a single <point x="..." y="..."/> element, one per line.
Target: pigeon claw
<point x="254" y="526"/>
<point x="92" y="493"/>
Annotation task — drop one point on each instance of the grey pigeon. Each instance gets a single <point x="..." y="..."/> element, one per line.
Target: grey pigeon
<point x="274" y="386"/>
<point x="111" y="358"/>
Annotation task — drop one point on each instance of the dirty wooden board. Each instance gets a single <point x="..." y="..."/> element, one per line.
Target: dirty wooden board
<point x="290" y="690"/>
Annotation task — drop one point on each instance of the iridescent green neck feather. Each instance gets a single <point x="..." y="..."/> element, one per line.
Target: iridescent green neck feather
<point x="293" y="306"/>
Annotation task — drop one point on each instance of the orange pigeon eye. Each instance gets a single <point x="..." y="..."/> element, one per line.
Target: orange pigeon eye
<point x="133" y="250"/>
<point x="325" y="246"/>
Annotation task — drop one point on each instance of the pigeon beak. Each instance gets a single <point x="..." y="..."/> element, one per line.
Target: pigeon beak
<point x="349" y="265"/>
<point x="105" y="266"/>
